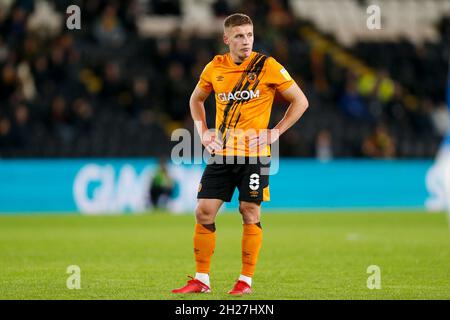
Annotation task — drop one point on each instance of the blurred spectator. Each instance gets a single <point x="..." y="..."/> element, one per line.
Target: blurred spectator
<point x="278" y="14"/>
<point x="441" y="119"/>
<point x="42" y="75"/>
<point x="113" y="85"/>
<point x="141" y="96"/>
<point x="27" y="88"/>
<point x="177" y="92"/>
<point x="324" y="145"/>
<point x="163" y="51"/>
<point x="5" y="134"/>
<point x="422" y="119"/>
<point x="162" y="186"/>
<point x="8" y="83"/>
<point x="3" y="49"/>
<point x="366" y="84"/>
<point x="318" y="70"/>
<point x="379" y="144"/>
<point x="352" y="104"/>
<point x="82" y="116"/>
<point x="182" y="52"/>
<point x="108" y="29"/>
<point x="385" y="87"/>
<point x="17" y="26"/>
<point x="60" y="120"/>
<point x="3" y="18"/>
<point x="58" y="65"/>
<point x="20" y="132"/>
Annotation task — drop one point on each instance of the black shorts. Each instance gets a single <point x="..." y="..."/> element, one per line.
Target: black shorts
<point x="220" y="180"/>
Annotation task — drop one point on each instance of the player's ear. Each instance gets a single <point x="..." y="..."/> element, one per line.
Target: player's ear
<point x="226" y="40"/>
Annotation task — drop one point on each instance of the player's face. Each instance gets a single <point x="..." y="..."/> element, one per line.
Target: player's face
<point x="240" y="41"/>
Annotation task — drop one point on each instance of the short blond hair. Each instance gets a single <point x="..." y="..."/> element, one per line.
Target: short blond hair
<point x="236" y="19"/>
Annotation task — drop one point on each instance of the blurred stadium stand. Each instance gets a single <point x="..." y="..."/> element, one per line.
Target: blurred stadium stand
<point x="121" y="84"/>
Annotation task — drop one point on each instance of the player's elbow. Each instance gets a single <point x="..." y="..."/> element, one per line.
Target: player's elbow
<point x="194" y="103"/>
<point x="193" y="100"/>
<point x="304" y="104"/>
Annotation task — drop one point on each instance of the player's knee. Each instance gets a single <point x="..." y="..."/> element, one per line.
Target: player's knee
<point x="250" y="212"/>
<point x="203" y="215"/>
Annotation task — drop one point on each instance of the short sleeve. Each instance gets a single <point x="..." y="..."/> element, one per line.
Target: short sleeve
<point x="278" y="75"/>
<point x="205" y="81"/>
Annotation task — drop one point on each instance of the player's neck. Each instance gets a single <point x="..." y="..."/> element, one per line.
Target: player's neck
<point x="237" y="60"/>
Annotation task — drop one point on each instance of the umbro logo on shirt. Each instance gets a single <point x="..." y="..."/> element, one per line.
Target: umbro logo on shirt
<point x="219" y="78"/>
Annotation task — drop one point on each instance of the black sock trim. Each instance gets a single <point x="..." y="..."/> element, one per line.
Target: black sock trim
<point x="211" y="227"/>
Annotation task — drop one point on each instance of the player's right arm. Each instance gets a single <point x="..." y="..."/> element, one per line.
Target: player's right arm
<point x="197" y="106"/>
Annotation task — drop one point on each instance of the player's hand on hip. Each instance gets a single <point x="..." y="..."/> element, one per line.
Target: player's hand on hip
<point x="211" y="141"/>
<point x="264" y="138"/>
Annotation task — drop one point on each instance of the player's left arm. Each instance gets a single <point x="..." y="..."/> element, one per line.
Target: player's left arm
<point x="298" y="103"/>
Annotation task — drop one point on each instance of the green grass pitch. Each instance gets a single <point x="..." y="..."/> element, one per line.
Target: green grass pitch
<point x="304" y="256"/>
